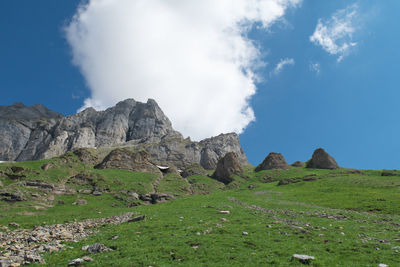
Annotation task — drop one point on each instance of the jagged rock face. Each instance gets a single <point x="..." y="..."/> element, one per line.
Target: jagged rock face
<point x="30" y="133"/>
<point x="226" y="167"/>
<point x="122" y="158"/>
<point x="216" y="147"/>
<point x="274" y="161"/>
<point x="322" y="160"/>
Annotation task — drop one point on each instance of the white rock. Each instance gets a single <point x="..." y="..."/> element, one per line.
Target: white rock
<point x="303" y="258"/>
<point x="382" y="265"/>
<point x="227" y="212"/>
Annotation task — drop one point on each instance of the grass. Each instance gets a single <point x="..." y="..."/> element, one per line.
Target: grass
<point x="342" y="218"/>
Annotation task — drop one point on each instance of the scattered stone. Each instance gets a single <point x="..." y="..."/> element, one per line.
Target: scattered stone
<point x="305" y="259"/>
<point x="388" y="173"/>
<point x="96" y="248"/>
<point x="17" y="169"/>
<point x="288" y="181"/>
<point x="298" y="164"/>
<point x="245" y="233"/>
<point x="87" y="258"/>
<point x="274" y="161"/>
<point x="156" y="197"/>
<point x="382" y="265"/>
<point x="13" y="224"/>
<point x="226" y="167"/>
<point x="114" y="237"/>
<point x="12" y="195"/>
<point x="76" y="262"/>
<point x="80" y="202"/>
<point x="138" y="218"/>
<point x="322" y="160"/>
<point x="226" y="212"/>
<point x="46" y="166"/>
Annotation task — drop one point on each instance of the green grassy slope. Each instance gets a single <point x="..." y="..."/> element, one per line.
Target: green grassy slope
<point x="341" y="217"/>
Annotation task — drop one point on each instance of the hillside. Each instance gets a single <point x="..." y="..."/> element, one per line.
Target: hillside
<point x="342" y="217"/>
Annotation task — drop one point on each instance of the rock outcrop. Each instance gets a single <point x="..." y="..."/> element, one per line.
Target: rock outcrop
<point x="123" y="158"/>
<point x="274" y="161"/>
<point x="226" y="167"/>
<point x="194" y="169"/>
<point x="30" y="133"/>
<point x="322" y="160"/>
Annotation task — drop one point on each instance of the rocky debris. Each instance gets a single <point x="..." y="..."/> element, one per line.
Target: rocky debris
<point x="268" y="179"/>
<point x="273" y="161"/>
<point x="123" y="158"/>
<point x="194" y="169"/>
<point x="388" y="173"/>
<point x="31" y="133"/>
<point x="298" y="164"/>
<point x="38" y="184"/>
<point x="13" y="224"/>
<point x="79" y="261"/>
<point x="24" y="246"/>
<point x="15" y="176"/>
<point x="156" y="197"/>
<point x="305" y="259"/>
<point x="322" y="160"/>
<point x="82" y="179"/>
<point x="86" y="155"/>
<point x="11" y="195"/>
<point x="138" y="218"/>
<point x="46" y="166"/>
<point x="226" y="167"/>
<point x="226" y="212"/>
<point x="17" y="169"/>
<point x="80" y="202"/>
<point x="307" y="178"/>
<point x="287" y="181"/>
<point x="96" y="248"/>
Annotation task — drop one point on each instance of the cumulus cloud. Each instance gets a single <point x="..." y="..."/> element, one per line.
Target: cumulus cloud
<point x="283" y="63"/>
<point x="193" y="57"/>
<point x="335" y="35"/>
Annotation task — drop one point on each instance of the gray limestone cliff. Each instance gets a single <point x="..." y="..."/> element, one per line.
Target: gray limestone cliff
<point x="35" y="132"/>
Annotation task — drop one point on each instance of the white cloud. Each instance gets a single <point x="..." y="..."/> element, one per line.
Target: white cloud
<point x="316" y="67"/>
<point x="282" y="63"/>
<point x="335" y="35"/>
<point x="193" y="57"/>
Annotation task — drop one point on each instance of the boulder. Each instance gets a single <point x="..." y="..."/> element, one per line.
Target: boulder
<point x="226" y="167"/>
<point x="298" y="164"/>
<point x="194" y="169"/>
<point x="322" y="160"/>
<point x="274" y="161"/>
<point x="123" y="158"/>
<point x="156" y="197"/>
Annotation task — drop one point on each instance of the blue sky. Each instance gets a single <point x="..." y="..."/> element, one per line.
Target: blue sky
<point x="350" y="107"/>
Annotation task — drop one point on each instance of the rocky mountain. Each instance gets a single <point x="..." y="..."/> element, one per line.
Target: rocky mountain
<point x="35" y="132"/>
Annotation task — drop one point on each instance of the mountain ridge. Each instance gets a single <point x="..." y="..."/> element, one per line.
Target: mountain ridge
<point x="35" y="132"/>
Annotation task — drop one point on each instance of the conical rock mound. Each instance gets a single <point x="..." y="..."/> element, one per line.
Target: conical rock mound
<point x="322" y="160"/>
<point x="226" y="167"/>
<point x="274" y="161"/>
